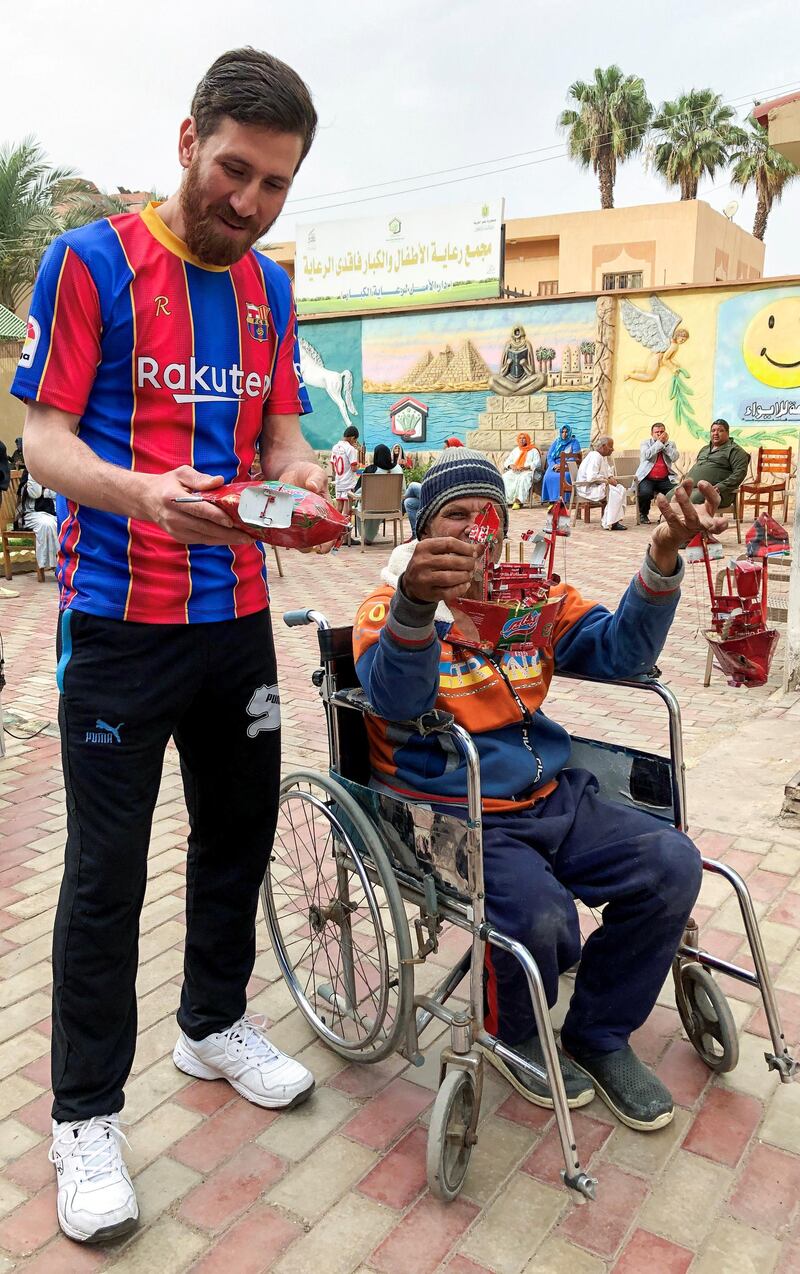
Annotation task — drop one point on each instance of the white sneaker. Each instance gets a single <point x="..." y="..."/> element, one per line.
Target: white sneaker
<point x="96" y="1200"/>
<point x="244" y="1056"/>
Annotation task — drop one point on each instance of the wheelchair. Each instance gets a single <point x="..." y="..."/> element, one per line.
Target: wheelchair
<point x="355" y="872"/>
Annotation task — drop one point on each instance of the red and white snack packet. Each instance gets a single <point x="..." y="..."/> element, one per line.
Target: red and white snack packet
<point x="486" y="530"/>
<point x="276" y="513"/>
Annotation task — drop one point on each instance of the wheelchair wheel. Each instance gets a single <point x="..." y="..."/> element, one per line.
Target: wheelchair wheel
<point x="450" y="1139"/>
<point x="336" y="920"/>
<point x="706" y="1017"/>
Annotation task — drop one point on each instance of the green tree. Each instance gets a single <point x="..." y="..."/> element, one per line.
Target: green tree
<point x="694" y="137"/>
<point x="608" y="125"/>
<point x="38" y="202"/>
<point x="757" y="164"/>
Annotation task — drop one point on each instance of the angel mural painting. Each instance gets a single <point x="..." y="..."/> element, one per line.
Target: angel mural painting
<point x="657" y="331"/>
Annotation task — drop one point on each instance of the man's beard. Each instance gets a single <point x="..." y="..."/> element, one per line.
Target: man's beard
<point x="202" y="236"/>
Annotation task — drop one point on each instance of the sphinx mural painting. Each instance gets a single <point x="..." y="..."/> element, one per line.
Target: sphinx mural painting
<point x="451" y="362"/>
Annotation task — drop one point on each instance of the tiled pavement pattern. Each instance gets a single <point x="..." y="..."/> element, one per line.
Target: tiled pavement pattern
<point x="339" y="1185"/>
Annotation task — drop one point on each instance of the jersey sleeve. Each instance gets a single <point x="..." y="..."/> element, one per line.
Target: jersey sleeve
<point x="288" y="394"/>
<point x="62" y="350"/>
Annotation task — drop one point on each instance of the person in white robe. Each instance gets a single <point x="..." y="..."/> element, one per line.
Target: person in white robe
<point x="42" y="522"/>
<point x="521" y="467"/>
<point x="597" y="480"/>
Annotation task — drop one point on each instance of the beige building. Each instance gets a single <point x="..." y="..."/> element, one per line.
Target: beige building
<point x="781" y="117"/>
<point x="653" y="245"/>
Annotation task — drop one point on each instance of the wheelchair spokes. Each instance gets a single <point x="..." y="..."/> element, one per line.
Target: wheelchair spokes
<point x="332" y="924"/>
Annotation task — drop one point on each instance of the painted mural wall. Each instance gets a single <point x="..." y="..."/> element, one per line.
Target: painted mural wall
<point x="684" y="357"/>
<point x="726" y="352"/>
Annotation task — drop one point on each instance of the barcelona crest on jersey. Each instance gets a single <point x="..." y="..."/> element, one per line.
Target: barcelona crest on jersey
<point x="257" y="319"/>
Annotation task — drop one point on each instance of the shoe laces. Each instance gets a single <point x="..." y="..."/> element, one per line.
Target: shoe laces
<point x="96" y="1141"/>
<point x="246" y="1040"/>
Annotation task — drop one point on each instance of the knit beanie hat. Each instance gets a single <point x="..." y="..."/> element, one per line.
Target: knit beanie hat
<point x="460" y="471"/>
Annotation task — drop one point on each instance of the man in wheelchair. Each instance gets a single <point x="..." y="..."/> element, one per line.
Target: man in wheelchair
<point x="548" y="837"/>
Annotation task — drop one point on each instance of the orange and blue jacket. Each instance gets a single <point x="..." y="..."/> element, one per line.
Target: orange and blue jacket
<point x="408" y="661"/>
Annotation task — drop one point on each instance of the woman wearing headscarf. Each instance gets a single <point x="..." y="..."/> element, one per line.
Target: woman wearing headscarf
<point x="521" y="466"/>
<point x="382" y="462"/>
<point x="565" y="443"/>
<point x="36" y="511"/>
<point x="399" y="457"/>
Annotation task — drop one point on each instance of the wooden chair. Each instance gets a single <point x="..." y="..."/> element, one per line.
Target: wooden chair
<point x="381" y="501"/>
<point x="567" y="468"/>
<point x="578" y="506"/>
<point x="19" y="547"/>
<point x="774" y="473"/>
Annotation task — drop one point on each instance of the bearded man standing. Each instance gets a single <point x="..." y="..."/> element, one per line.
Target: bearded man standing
<point x="161" y="357"/>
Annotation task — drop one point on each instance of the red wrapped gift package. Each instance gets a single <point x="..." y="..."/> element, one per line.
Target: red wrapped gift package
<point x="289" y="517"/>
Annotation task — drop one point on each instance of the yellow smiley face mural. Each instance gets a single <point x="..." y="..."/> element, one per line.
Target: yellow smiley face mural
<point x="771" y="345"/>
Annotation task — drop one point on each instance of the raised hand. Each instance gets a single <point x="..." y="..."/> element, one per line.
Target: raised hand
<point x="441" y="569"/>
<point x="682" y="521"/>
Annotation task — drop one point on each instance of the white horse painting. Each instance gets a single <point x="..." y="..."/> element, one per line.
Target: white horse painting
<point x="337" y="385"/>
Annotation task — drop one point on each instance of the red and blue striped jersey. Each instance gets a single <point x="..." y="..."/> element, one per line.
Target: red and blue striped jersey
<point x="167" y="361"/>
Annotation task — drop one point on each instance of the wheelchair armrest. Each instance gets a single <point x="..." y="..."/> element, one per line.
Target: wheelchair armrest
<point x="433" y="722"/>
<point x="643" y="679"/>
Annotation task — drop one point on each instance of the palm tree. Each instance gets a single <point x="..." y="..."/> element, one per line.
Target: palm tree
<point x="37" y="203"/>
<point x="609" y="125"/>
<point x="694" y="137"/>
<point x="757" y="164"/>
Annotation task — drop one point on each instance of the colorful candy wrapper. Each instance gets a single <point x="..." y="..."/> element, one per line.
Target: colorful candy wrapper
<point x="276" y="513"/>
<point x="486" y="530"/>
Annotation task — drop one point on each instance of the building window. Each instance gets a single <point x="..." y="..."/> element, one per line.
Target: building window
<point x="630" y="279"/>
<point x="548" y="287"/>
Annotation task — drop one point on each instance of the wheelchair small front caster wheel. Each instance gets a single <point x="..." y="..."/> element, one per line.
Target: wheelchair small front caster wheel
<point x="450" y="1136"/>
<point x="706" y="1017"/>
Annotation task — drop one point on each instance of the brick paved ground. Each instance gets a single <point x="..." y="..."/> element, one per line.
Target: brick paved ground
<point x="339" y="1185"/>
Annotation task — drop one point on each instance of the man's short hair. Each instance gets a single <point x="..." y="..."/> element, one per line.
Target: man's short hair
<point x="657" y="424"/>
<point x="602" y="440"/>
<point x="253" y="87"/>
<point x="723" y="423"/>
<point x="350" y="432"/>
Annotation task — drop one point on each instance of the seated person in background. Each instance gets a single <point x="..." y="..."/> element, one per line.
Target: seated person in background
<point x="381" y="463"/>
<point x="547" y="835"/>
<point x="36" y="511"/>
<point x="344" y="462"/>
<point x="17" y="458"/>
<point x="722" y="462"/>
<point x="656" y="472"/>
<point x="411" y="505"/>
<point x="411" y="497"/>
<point x="565" y="443"/>
<point x="522" y="466"/>
<point x="399" y="457"/>
<point x="597" y="480"/>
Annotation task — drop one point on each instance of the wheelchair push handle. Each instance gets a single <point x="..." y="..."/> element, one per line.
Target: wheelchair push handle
<point x="297" y="618"/>
<point x="294" y="618"/>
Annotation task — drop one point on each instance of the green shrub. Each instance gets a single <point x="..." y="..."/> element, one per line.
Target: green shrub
<point x="418" y="470"/>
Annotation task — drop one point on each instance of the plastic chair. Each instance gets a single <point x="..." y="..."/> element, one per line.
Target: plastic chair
<point x="381" y="501"/>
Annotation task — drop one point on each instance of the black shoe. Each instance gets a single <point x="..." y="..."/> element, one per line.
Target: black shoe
<point x="580" y="1090"/>
<point x="618" y="526"/>
<point x="628" y="1087"/>
<point x="644" y="520"/>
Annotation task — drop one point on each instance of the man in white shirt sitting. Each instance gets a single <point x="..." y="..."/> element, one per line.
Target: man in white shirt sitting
<point x="597" y="481"/>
